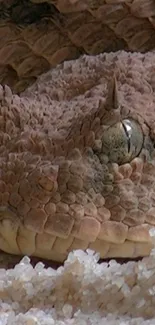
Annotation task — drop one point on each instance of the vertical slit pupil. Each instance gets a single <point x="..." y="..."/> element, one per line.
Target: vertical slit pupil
<point x="128" y="137"/>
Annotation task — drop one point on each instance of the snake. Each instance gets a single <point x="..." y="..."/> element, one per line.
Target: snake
<point x="77" y="160"/>
<point x="77" y="166"/>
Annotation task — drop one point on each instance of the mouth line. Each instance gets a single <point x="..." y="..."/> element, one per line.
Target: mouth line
<point x="9" y="261"/>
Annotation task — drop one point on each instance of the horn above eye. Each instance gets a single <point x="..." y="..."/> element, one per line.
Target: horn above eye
<point x="122" y="141"/>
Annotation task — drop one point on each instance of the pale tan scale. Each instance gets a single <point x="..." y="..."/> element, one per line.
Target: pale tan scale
<point x="37" y="194"/>
<point x="137" y="165"/>
<point x="75" y="183"/>
<point x="121" y="250"/>
<point x="45" y="242"/>
<point x="10" y="177"/>
<point x="26" y="240"/>
<point x="62" y="207"/>
<point x="141" y="191"/>
<point x="125" y="170"/>
<point x="64" y="167"/>
<point x="100" y="246"/>
<point x="77" y="211"/>
<point x="47" y="183"/>
<point x="117" y="176"/>
<point x="143" y="249"/>
<point x="149" y="170"/>
<point x="144" y="204"/>
<point x="23" y="208"/>
<point x="99" y="200"/>
<point x="50" y="208"/>
<point x="78" y="168"/>
<point x="95" y="125"/>
<point x="139" y="234"/>
<point x="59" y="224"/>
<point x="103" y="214"/>
<point x="111" y="201"/>
<point x="15" y="199"/>
<point x="89" y="139"/>
<point x="90" y="209"/>
<point x="85" y="127"/>
<point x="56" y="197"/>
<point x="50" y="255"/>
<point x="128" y="200"/>
<point x="62" y="245"/>
<point x="150" y="216"/>
<point x="134" y="217"/>
<point x="86" y="229"/>
<point x="62" y="188"/>
<point x="117" y="213"/>
<point x="68" y="146"/>
<point x="136" y="177"/>
<point x="148" y="181"/>
<point x="6" y="247"/>
<point x="58" y="150"/>
<point x="74" y="154"/>
<point x="8" y="233"/>
<point x="79" y="142"/>
<point x="125" y="185"/>
<point x="25" y="189"/>
<point x="63" y="176"/>
<point x="36" y="219"/>
<point x="81" y="198"/>
<point x="113" y="232"/>
<point x="68" y="197"/>
<point x="79" y="244"/>
<point x="34" y="203"/>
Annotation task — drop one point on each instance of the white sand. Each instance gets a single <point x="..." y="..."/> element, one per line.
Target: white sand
<point x="80" y="293"/>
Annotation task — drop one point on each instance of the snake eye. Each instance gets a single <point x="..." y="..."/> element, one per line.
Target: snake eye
<point x="123" y="141"/>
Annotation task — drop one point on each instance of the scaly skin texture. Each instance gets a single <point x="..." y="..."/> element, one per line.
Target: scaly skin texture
<point x="37" y="35"/>
<point x="58" y="191"/>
